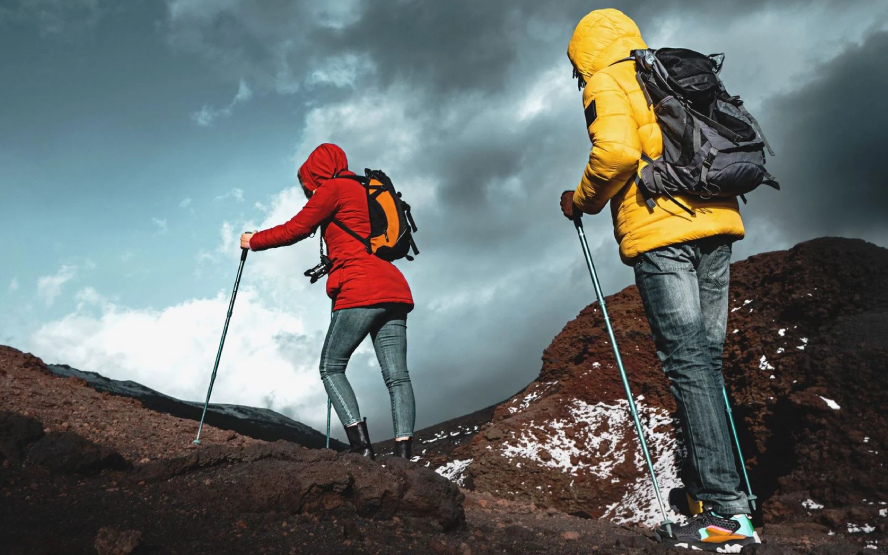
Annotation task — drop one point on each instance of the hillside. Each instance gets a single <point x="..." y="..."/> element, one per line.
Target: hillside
<point x="90" y="465"/>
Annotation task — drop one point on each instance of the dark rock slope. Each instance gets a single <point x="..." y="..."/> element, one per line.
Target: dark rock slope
<point x="254" y="422"/>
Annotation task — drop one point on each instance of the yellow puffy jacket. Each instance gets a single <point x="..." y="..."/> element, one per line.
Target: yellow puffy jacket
<point x="623" y="127"/>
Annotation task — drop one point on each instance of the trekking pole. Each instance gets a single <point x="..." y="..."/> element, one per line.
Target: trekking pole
<point x="240" y="270"/>
<point x="578" y="223"/>
<point x="749" y="496"/>
<point x="329" y="403"/>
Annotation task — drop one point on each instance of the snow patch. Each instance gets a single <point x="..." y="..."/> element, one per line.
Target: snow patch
<point x="830" y="403"/>
<point x="811" y="505"/>
<point x="781" y="332"/>
<point x="764" y="364"/>
<point x="533" y="396"/>
<point x="606" y="442"/>
<point x="864" y="529"/>
<point x="454" y="470"/>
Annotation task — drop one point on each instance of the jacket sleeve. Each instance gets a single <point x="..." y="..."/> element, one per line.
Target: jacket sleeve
<point x="322" y="204"/>
<point x="616" y="146"/>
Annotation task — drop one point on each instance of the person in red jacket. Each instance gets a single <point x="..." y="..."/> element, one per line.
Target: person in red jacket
<point x="370" y="295"/>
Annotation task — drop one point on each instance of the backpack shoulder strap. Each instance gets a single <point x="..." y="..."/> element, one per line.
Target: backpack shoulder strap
<point x="364" y="240"/>
<point x="360" y="179"/>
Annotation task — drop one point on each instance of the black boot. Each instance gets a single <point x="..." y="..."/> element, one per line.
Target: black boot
<point x="403" y="448"/>
<point x="359" y="440"/>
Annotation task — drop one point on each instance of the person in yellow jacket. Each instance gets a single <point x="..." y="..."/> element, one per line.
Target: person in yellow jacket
<point x="681" y="263"/>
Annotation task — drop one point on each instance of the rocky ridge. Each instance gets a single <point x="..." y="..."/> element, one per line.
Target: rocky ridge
<point x="805" y="360"/>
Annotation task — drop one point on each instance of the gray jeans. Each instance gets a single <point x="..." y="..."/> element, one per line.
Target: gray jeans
<point x="387" y="327"/>
<point x="684" y="289"/>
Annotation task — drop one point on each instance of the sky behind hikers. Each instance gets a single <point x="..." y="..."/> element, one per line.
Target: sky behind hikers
<point x="138" y="139"/>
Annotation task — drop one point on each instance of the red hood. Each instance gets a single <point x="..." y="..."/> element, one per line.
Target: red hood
<point x="323" y="163"/>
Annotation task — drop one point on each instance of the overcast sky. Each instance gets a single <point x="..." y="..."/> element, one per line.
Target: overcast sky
<point x="138" y="139"/>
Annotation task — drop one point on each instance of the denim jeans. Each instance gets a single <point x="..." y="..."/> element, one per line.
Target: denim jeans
<point x="387" y="327"/>
<point x="684" y="289"/>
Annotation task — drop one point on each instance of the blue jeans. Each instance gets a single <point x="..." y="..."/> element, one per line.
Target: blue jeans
<point x="387" y="327"/>
<point x="684" y="289"/>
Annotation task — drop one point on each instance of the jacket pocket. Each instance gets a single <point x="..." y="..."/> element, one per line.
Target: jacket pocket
<point x="334" y="282"/>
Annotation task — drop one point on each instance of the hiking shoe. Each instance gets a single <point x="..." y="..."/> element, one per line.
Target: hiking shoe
<point x="710" y="531"/>
<point x="682" y="503"/>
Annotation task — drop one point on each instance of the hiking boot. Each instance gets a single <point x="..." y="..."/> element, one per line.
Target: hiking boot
<point x="403" y="448"/>
<point x="359" y="440"/>
<point x="711" y="531"/>
<point x="682" y="503"/>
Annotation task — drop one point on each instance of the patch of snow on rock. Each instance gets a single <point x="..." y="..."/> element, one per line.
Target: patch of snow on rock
<point x="454" y="470"/>
<point x="764" y="364"/>
<point x="830" y="403"/>
<point x="781" y="332"/>
<point x="811" y="505"/>
<point x="865" y="529"/>
<point x="610" y="439"/>
<point x="639" y="505"/>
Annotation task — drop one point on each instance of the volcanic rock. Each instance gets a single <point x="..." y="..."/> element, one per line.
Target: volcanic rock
<point x="16" y="432"/>
<point x="67" y="452"/>
<point x="111" y="541"/>
<point x="805" y="360"/>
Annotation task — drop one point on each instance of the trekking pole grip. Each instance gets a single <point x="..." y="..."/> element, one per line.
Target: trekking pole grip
<point x="244" y="251"/>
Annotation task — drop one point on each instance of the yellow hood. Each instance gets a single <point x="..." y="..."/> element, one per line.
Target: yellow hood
<point x="600" y="39"/>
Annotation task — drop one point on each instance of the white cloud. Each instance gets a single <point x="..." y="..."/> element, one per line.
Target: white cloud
<point x="186" y="202"/>
<point x="270" y="358"/>
<point x="13" y="285"/>
<point x="161" y="225"/>
<point x="236" y="193"/>
<point x="50" y="287"/>
<point x="207" y="115"/>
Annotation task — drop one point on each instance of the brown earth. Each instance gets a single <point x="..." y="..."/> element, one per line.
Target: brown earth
<point x="97" y="491"/>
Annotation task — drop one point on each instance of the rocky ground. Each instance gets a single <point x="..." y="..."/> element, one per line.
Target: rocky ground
<point x="805" y="361"/>
<point x="89" y="472"/>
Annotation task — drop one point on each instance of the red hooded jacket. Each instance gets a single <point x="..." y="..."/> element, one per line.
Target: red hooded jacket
<point x="357" y="277"/>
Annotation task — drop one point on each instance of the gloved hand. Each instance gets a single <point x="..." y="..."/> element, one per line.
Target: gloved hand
<point x="567" y="206"/>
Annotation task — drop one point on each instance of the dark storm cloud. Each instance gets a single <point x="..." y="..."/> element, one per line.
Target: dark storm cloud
<point x="831" y="135"/>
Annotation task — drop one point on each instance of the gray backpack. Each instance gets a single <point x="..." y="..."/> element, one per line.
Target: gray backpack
<point x="712" y="147"/>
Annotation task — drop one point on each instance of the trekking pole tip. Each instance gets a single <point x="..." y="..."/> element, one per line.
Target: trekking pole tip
<point x="196" y="442"/>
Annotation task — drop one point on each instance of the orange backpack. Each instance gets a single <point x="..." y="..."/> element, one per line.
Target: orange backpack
<point x="391" y="224"/>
